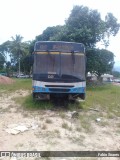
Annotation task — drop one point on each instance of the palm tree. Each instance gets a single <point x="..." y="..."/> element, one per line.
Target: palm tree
<point x="17" y="49"/>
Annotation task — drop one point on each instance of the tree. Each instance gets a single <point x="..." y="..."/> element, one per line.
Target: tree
<point x="8" y="68"/>
<point x="86" y="26"/>
<point x="99" y="61"/>
<point x="5" y="49"/>
<point x="5" y="52"/>
<point x="116" y="74"/>
<point x="111" y="28"/>
<point x="19" y="50"/>
<point x="49" y="33"/>
<point x="2" y="61"/>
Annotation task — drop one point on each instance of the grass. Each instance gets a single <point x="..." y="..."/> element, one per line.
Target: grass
<point x="72" y="106"/>
<point x="66" y="126"/>
<point x="44" y="126"/>
<point x="78" y="139"/>
<point x="103" y="123"/>
<point x="56" y="131"/>
<point x="25" y="84"/>
<point x="62" y="114"/>
<point x="19" y="145"/>
<point x="104" y="98"/>
<point x="48" y="121"/>
<point x="48" y="134"/>
<point x="5" y="110"/>
<point x="118" y="125"/>
<point x="85" y="123"/>
<point x="79" y="129"/>
<point x="29" y="104"/>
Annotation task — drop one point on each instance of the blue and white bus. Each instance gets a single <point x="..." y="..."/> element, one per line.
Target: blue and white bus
<point x="59" y="70"/>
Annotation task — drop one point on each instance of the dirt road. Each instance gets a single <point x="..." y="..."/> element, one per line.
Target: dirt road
<point x="57" y="130"/>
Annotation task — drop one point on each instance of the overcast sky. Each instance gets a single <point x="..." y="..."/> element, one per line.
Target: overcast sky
<point x="30" y="17"/>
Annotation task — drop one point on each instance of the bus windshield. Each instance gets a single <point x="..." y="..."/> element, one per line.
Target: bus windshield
<point x="60" y="63"/>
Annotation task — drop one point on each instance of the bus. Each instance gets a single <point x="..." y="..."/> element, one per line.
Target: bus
<point x="59" y="70"/>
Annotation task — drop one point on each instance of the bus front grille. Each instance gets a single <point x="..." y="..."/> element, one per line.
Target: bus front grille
<point x="66" y="86"/>
<point x="59" y="90"/>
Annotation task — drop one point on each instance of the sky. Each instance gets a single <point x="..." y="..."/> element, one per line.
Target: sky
<point x="30" y="18"/>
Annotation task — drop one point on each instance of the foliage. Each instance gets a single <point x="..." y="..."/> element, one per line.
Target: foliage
<point x="31" y="46"/>
<point x="8" y="68"/>
<point x="85" y="26"/>
<point x="26" y="65"/>
<point x="17" y="48"/>
<point x="99" y="61"/>
<point x="5" y="49"/>
<point x="116" y="74"/>
<point x="20" y="51"/>
<point x="17" y="51"/>
<point x="2" y="61"/>
<point x="50" y="33"/>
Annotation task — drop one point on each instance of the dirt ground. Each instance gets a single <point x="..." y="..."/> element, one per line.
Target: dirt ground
<point x="54" y="130"/>
<point x="5" y="80"/>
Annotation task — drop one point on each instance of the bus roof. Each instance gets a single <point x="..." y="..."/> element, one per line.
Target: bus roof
<point x="60" y="46"/>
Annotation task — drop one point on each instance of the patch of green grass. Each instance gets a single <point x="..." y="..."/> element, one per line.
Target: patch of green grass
<point x="66" y="126"/>
<point x="72" y="106"/>
<point x="5" y="110"/>
<point x="56" y="131"/>
<point x="85" y="123"/>
<point x="48" y="121"/>
<point x="29" y="103"/>
<point x="62" y="115"/>
<point x="103" y="123"/>
<point x="48" y="134"/>
<point x="19" y="145"/>
<point x="118" y="125"/>
<point x="110" y="115"/>
<point x="25" y="114"/>
<point x="25" y="84"/>
<point x="78" y="139"/>
<point x="105" y="98"/>
<point x="44" y="126"/>
<point x="79" y="129"/>
<point x="118" y="131"/>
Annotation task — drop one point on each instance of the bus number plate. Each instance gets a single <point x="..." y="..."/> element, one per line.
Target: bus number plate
<point x="51" y="76"/>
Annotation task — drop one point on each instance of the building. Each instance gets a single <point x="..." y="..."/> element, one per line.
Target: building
<point x="105" y="77"/>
